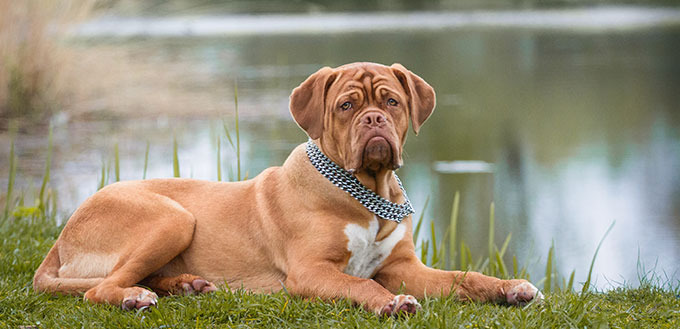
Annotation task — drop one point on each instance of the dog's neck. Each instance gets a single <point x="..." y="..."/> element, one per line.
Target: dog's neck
<point x="382" y="182"/>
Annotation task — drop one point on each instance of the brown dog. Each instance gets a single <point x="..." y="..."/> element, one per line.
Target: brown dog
<point x="288" y="227"/>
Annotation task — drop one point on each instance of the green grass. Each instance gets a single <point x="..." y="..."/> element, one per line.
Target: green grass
<point x="28" y="232"/>
<point x="27" y="240"/>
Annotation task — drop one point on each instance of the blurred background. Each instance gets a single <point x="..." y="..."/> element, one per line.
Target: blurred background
<point x="565" y="114"/>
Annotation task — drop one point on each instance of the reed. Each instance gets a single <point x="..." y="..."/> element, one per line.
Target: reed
<point x="10" y="182"/>
<point x="238" y="135"/>
<point x="33" y="61"/>
<point x="175" y="158"/>
<point x="492" y="245"/>
<point x="116" y="162"/>
<point x="146" y="159"/>
<point x="42" y="201"/>
<point x="547" y="286"/>
<point x="103" y="179"/>
<point x="219" y="160"/>
<point x="586" y="285"/>
<point x="453" y="226"/>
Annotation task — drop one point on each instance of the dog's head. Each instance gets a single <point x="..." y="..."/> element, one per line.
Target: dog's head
<point x="360" y="112"/>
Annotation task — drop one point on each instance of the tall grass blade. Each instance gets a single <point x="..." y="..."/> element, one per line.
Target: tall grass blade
<point x="570" y="284"/>
<point x="10" y="183"/>
<point x="226" y="132"/>
<point x="435" y="254"/>
<point x="502" y="269"/>
<point x="53" y="198"/>
<point x="116" y="162"/>
<point x="238" y="138"/>
<point x="514" y="266"/>
<point x="104" y="179"/>
<point x="46" y="176"/>
<point x="219" y="161"/>
<point x="175" y="158"/>
<point x="586" y="285"/>
<point x="492" y="267"/>
<point x="504" y="248"/>
<point x="481" y="264"/>
<point x="416" y="232"/>
<point x="453" y="228"/>
<point x="468" y="252"/>
<point x="463" y="258"/>
<point x="549" y="269"/>
<point x="424" y="251"/>
<point x="146" y="159"/>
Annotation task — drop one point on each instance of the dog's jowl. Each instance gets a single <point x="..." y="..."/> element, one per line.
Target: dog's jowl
<point x="333" y="221"/>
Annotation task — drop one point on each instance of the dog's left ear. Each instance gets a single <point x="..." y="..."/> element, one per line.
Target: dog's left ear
<point x="308" y="101"/>
<point x="421" y="95"/>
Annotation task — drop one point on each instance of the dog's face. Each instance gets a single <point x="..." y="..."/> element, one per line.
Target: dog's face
<point x="361" y="111"/>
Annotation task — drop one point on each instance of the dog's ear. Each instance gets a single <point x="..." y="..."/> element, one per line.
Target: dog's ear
<point x="421" y="95"/>
<point x="308" y="101"/>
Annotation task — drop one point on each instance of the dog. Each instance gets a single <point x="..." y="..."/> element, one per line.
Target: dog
<point x="332" y="222"/>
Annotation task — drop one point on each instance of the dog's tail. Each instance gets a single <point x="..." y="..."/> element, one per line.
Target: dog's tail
<point x="47" y="278"/>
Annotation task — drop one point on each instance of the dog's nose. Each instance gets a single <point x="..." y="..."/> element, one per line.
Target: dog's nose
<point x="373" y="119"/>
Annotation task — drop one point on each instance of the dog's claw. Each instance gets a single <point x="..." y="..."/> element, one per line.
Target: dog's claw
<point x="523" y="293"/>
<point x="139" y="299"/>
<point x="401" y="304"/>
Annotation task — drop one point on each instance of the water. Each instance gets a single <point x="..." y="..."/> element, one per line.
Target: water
<point x="565" y="129"/>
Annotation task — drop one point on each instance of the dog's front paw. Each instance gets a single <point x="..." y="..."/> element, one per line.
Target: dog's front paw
<point x="522" y="292"/>
<point x="401" y="304"/>
<point x="137" y="298"/>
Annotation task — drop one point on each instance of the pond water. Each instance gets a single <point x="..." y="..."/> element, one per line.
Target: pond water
<point x="564" y="130"/>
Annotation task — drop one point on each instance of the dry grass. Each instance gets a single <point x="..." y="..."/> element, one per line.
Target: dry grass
<point x="137" y="79"/>
<point x="32" y="60"/>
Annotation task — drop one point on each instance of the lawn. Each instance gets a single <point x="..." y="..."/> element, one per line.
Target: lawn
<point x="26" y="240"/>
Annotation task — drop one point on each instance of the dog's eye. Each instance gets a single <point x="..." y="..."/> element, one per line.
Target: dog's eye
<point x="346" y="106"/>
<point x="392" y="102"/>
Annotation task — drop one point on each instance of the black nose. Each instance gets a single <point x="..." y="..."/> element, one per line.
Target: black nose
<point x="373" y="119"/>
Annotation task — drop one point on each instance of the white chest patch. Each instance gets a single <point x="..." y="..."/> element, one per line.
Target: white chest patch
<point x="368" y="254"/>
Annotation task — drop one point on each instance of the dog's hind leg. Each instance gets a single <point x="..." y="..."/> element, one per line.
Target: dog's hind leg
<point x="183" y="284"/>
<point x="159" y="244"/>
<point x="145" y="234"/>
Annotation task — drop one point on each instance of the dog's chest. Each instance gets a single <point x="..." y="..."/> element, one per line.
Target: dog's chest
<point x="368" y="254"/>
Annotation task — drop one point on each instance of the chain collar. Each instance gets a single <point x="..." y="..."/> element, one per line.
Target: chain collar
<point x="347" y="182"/>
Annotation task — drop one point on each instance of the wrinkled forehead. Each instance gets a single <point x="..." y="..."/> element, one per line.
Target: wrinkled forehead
<point x="371" y="79"/>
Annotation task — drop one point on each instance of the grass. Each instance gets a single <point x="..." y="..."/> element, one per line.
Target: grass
<point x="27" y="239"/>
<point x="28" y="232"/>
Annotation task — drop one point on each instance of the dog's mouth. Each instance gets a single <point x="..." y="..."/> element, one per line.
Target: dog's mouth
<point x="375" y="152"/>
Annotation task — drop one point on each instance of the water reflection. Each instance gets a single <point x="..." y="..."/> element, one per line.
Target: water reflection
<point x="581" y="130"/>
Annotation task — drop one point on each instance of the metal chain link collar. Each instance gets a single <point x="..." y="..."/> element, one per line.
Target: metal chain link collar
<point x="350" y="184"/>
